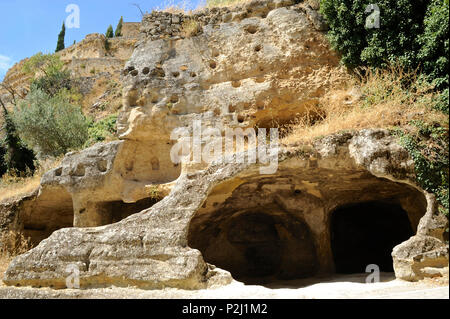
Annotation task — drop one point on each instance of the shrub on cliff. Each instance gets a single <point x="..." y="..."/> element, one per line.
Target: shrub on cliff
<point x="102" y="130"/>
<point x="48" y="73"/>
<point x="42" y="64"/>
<point x="394" y="41"/>
<point x="434" y="52"/>
<point x="15" y="157"/>
<point x="51" y="125"/>
<point x="428" y="146"/>
<point x="53" y="82"/>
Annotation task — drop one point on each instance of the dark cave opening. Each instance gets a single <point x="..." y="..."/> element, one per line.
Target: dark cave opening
<point x="256" y="237"/>
<point x="257" y="247"/>
<point x="365" y="233"/>
<point x="115" y="211"/>
<point x="44" y="215"/>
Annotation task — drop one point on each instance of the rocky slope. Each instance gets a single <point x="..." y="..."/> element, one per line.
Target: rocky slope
<point x="95" y="68"/>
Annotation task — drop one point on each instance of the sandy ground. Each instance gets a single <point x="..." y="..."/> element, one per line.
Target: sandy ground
<point x="337" y="287"/>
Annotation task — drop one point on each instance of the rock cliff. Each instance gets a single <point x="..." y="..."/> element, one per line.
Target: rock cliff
<point x="142" y="220"/>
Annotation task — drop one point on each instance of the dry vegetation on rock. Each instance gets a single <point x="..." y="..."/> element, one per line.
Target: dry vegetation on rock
<point x="12" y="244"/>
<point x="13" y="187"/>
<point x="375" y="98"/>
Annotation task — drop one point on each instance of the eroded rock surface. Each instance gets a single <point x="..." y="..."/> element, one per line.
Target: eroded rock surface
<point x="257" y="69"/>
<point x="261" y="68"/>
<point x="151" y="249"/>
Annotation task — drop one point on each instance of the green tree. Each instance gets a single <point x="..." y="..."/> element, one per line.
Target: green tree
<point x="60" y="45"/>
<point x="434" y="53"/>
<point x="395" y="41"/>
<point x="51" y="125"/>
<point x="53" y="83"/>
<point x="110" y="32"/>
<point x="119" y="28"/>
<point x="16" y="157"/>
<point x="54" y="78"/>
<point x="42" y="63"/>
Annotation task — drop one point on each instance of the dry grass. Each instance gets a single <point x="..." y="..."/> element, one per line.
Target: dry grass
<point x="377" y="99"/>
<point x="12" y="244"/>
<point x="13" y="187"/>
<point x="223" y="3"/>
<point x="177" y="6"/>
<point x="4" y="262"/>
<point x="190" y="28"/>
<point x="188" y="6"/>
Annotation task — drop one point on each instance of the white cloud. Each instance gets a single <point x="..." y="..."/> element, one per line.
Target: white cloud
<point x="5" y="64"/>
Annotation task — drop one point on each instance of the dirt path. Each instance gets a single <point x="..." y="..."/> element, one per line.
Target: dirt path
<point x="337" y="287"/>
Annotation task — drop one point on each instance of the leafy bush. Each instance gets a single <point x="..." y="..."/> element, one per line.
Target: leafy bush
<point x="102" y="130"/>
<point x="429" y="148"/>
<point x="53" y="82"/>
<point x="50" y="124"/>
<point x="441" y="102"/>
<point x="395" y="41"/>
<point x="50" y="73"/>
<point x="15" y="157"/>
<point x="44" y="63"/>
<point x="434" y="53"/>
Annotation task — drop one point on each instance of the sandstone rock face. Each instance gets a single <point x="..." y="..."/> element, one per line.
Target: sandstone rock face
<point x="38" y="214"/>
<point x="259" y="65"/>
<point x="420" y="257"/>
<point x="152" y="249"/>
<point x="255" y="71"/>
<point x="425" y="254"/>
<point x="274" y="69"/>
<point x="107" y="175"/>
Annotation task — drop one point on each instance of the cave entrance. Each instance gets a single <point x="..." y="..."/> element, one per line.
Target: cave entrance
<point x="50" y="211"/>
<point x="365" y="233"/>
<point x="257" y="246"/>
<point x="115" y="211"/>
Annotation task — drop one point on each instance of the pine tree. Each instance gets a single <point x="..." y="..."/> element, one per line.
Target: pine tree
<point x="110" y="32"/>
<point x="60" y="46"/>
<point x="119" y="28"/>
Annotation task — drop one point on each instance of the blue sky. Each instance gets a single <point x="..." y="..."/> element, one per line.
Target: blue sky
<point x="31" y="26"/>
